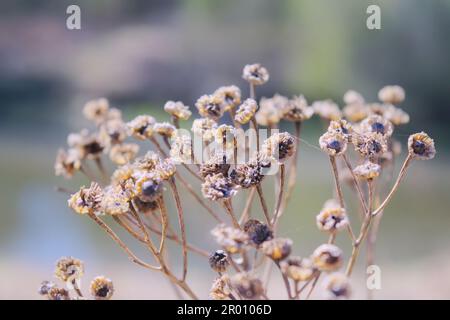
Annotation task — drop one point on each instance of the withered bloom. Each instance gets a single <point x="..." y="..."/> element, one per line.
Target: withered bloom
<point x="421" y="146"/>
<point x="370" y="144"/>
<point x="218" y="187"/>
<point x="231" y="239"/>
<point x="69" y="269"/>
<point x="181" y="149"/>
<point x="123" y="153"/>
<point x="96" y="110"/>
<point x="102" y="288"/>
<point x="353" y="97"/>
<point x="297" y="110"/>
<point x="231" y="96"/>
<point x="277" y="249"/>
<point x="298" y="269"/>
<point x="270" y="110"/>
<point x="148" y="187"/>
<point x="280" y="146"/>
<point x="218" y="163"/>
<point x="56" y="293"/>
<point x="247" y="285"/>
<point x="248" y="175"/>
<point x="327" y="110"/>
<point x="210" y="106"/>
<point x="257" y="231"/>
<point x="87" y="200"/>
<point x="116" y="201"/>
<point x="204" y="128"/>
<point x="377" y="124"/>
<point x="177" y="109"/>
<point x="333" y="143"/>
<point x="87" y="145"/>
<point x="327" y="257"/>
<point x="337" y="286"/>
<point x="67" y="163"/>
<point x="368" y="170"/>
<point x="113" y="132"/>
<point x="255" y="74"/>
<point x="219" y="289"/>
<point x="218" y="261"/>
<point x="341" y="126"/>
<point x="392" y="94"/>
<point x="396" y="115"/>
<point x="165" y="129"/>
<point x="332" y="219"/>
<point x="141" y="127"/>
<point x="246" y="111"/>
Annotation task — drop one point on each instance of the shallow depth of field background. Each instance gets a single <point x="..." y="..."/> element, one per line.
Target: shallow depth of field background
<point x="141" y="53"/>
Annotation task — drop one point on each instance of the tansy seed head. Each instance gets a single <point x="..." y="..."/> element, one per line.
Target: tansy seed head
<point x="210" y="106"/>
<point x="246" y="111"/>
<point x="396" y="115"/>
<point x="353" y="97"/>
<point x="355" y="112"/>
<point x="337" y="286"/>
<point x="248" y="174"/>
<point x="327" y="257"/>
<point x="392" y="94"/>
<point x="327" y="110"/>
<point x="280" y="146"/>
<point x="177" y="109"/>
<point x="115" y="201"/>
<point x="141" y="127"/>
<point x="269" y="113"/>
<point x="370" y="144"/>
<point x="123" y="153"/>
<point x="297" y="110"/>
<point x="218" y="261"/>
<point x="341" y="126"/>
<point x="87" y="200"/>
<point x="277" y="249"/>
<point x="257" y="231"/>
<point x="421" y="146"/>
<point x="56" y="293"/>
<point x="332" y="219"/>
<point x="67" y="163"/>
<point x="368" y="170"/>
<point x="165" y="129"/>
<point x="148" y="187"/>
<point x="333" y="143"/>
<point x="69" y="269"/>
<point x="218" y="163"/>
<point x="87" y="145"/>
<point x="204" y="128"/>
<point x="102" y="288"/>
<point x="247" y="285"/>
<point x="377" y="124"/>
<point x="255" y="74"/>
<point x="231" y="96"/>
<point x="298" y="269"/>
<point x="231" y="239"/>
<point x="219" y="289"/>
<point x="96" y="110"/>
<point x="218" y="187"/>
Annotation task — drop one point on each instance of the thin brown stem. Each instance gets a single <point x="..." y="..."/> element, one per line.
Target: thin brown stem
<point x="246" y="212"/>
<point x="263" y="204"/>
<point x="293" y="170"/>
<point x="355" y="181"/>
<point x="229" y="209"/>
<point x="280" y="196"/>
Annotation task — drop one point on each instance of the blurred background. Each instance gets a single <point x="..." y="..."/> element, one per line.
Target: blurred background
<point x="140" y="54"/>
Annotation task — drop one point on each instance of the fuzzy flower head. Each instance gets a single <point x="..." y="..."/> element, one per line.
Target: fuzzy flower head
<point x="219" y="289"/>
<point x="327" y="110"/>
<point x="87" y="200"/>
<point x="218" y="187"/>
<point x="87" y="145"/>
<point x="392" y="94"/>
<point x="231" y="96"/>
<point x="116" y="201"/>
<point x="421" y="146"/>
<point x="353" y="97"/>
<point x="96" y="110"/>
<point x="247" y="285"/>
<point x="69" y="269"/>
<point x="231" y="239"/>
<point x="342" y="127"/>
<point x="148" y="187"/>
<point x="56" y="293"/>
<point x="181" y="149"/>
<point x="121" y="154"/>
<point x="218" y="261"/>
<point x="332" y="219"/>
<point x="216" y="164"/>
<point x="225" y="136"/>
<point x="166" y="168"/>
<point x="113" y="132"/>
<point x="270" y="110"/>
<point x="298" y="269"/>
<point x="355" y="112"/>
<point x="367" y="171"/>
<point x="337" y="286"/>
<point x="370" y="145"/>
<point x="297" y="110"/>
<point x="257" y="231"/>
<point x="141" y="127"/>
<point x="67" y="163"/>
<point x="204" y="128"/>
<point x="249" y="174"/>
<point x="396" y="115"/>
<point x="246" y="111"/>
<point x="277" y="249"/>
<point x="102" y="288"/>
<point x="280" y="146"/>
<point x="327" y="257"/>
<point x="177" y="109"/>
<point x="255" y="74"/>
<point x="165" y="129"/>
<point x="210" y="106"/>
<point x="333" y="143"/>
<point x="377" y="124"/>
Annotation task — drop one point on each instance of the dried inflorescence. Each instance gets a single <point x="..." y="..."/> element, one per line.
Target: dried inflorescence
<point x="359" y="141"/>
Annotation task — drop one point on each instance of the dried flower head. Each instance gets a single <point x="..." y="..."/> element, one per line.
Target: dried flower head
<point x="218" y="163"/>
<point x="87" y="145"/>
<point x="336" y="286"/>
<point x="332" y="219"/>
<point x="396" y="115"/>
<point x="113" y="132"/>
<point x="297" y="110"/>
<point x="421" y="146"/>
<point x="210" y="106"/>
<point x="341" y="126"/>
<point x="96" y="110"/>
<point x="248" y="175"/>
<point x="148" y="162"/>
<point x="166" y="168"/>
<point x="327" y="110"/>
<point x="177" y="109"/>
<point x="148" y="186"/>
<point x="87" y="200"/>
<point x="255" y="74"/>
<point x="280" y="146"/>
<point x="69" y="269"/>
<point x="218" y="187"/>
<point x="181" y="149"/>
<point x="141" y="127"/>
<point x="231" y="239"/>
<point x="146" y="207"/>
<point x="392" y="94"/>
<point x="269" y="113"/>
<point x="257" y="231"/>
<point x="56" y="293"/>
<point x="218" y="261"/>
<point x="327" y="257"/>
<point x="355" y="112"/>
<point x="165" y="129"/>
<point x="377" y="124"/>
<point x="368" y="170"/>
<point x="231" y="96"/>
<point x="247" y="285"/>
<point x="370" y="144"/>
<point x="246" y="111"/>
<point x="67" y="163"/>
<point x="219" y="289"/>
<point x="204" y="128"/>
<point x="277" y="249"/>
<point x="45" y="287"/>
<point x="116" y="201"/>
<point x="123" y="153"/>
<point x="353" y="97"/>
<point x="102" y="288"/>
<point x="298" y="269"/>
<point x="333" y="143"/>
<point x="225" y="136"/>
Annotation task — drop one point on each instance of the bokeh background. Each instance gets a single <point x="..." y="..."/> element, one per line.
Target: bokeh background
<point x="141" y="53"/>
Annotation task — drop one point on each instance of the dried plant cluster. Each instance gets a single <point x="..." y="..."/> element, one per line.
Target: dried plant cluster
<point x="136" y="195"/>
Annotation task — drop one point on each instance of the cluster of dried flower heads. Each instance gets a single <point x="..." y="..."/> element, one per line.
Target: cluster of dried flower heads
<point x="136" y="194"/>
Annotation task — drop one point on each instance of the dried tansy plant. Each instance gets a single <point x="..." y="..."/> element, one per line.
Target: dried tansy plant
<point x="358" y="141"/>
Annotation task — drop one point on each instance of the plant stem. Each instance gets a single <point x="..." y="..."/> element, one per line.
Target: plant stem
<point x="263" y="204"/>
<point x="280" y="196"/>
<point x="355" y="181"/>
